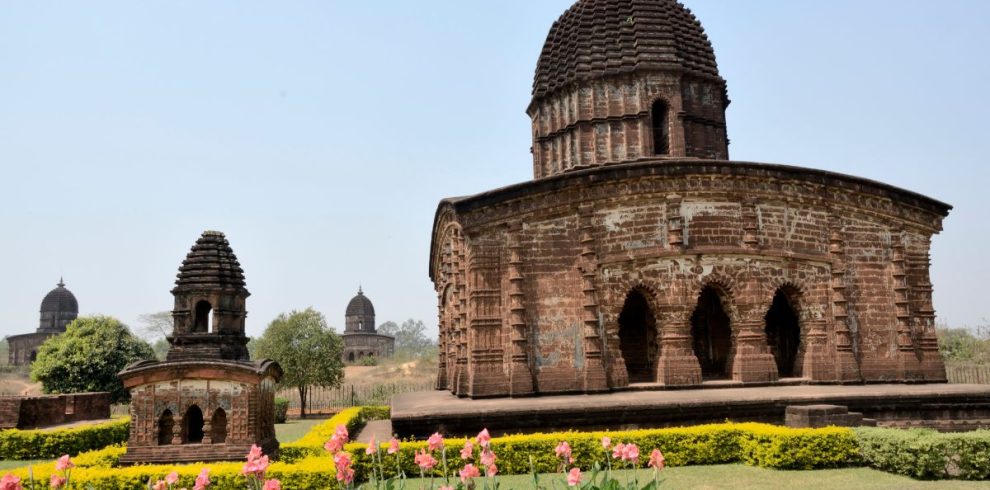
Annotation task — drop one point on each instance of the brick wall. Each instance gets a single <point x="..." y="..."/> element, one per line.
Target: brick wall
<point x="30" y="412"/>
<point x="852" y="256"/>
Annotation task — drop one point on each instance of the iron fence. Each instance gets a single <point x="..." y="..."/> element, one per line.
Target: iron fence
<point x="968" y="374"/>
<point x="328" y="400"/>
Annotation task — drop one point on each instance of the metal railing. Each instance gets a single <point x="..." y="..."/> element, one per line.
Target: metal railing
<point x="330" y="400"/>
<point x="968" y="374"/>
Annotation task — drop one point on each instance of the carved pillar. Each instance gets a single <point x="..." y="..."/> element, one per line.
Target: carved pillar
<point x="486" y="348"/>
<point x="846" y="365"/>
<point x="520" y="368"/>
<point x="594" y="376"/>
<point x="441" y="383"/>
<point x="677" y="364"/>
<point x="180" y="422"/>
<point x="908" y="365"/>
<point x="814" y="360"/>
<point x="932" y="364"/>
<point x="208" y="428"/>
<point x="751" y="361"/>
<point x="462" y="381"/>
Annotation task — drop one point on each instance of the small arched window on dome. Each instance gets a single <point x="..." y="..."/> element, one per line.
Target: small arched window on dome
<point x="661" y="128"/>
<point x="204" y="318"/>
<point x="218" y="427"/>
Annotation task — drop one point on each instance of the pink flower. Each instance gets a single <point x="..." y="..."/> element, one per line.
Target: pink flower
<point x="254" y="453"/>
<point x="172" y="478"/>
<point x="393" y="446"/>
<point x="435" y="441"/>
<point x="334" y="445"/>
<point x="341" y="433"/>
<point x="631" y="453"/>
<point x="345" y="473"/>
<point x="272" y="485"/>
<point x="469" y="471"/>
<point x="491" y="470"/>
<point x="425" y="460"/>
<point x="372" y="449"/>
<point x="574" y="477"/>
<point x="657" y="460"/>
<point x="484" y="437"/>
<point x="618" y="450"/>
<point x="563" y="450"/>
<point x="203" y="480"/>
<point x="447" y="488"/>
<point x="64" y="463"/>
<point x="10" y="482"/>
<point x="468" y="451"/>
<point x="487" y="456"/>
<point x="606" y="442"/>
<point x="59" y="482"/>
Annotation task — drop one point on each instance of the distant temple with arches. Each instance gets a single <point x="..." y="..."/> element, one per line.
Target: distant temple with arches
<point x="641" y="256"/>
<point x="361" y="337"/>
<point x="58" y="309"/>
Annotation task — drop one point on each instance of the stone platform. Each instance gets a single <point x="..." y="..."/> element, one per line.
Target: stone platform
<point x="949" y="407"/>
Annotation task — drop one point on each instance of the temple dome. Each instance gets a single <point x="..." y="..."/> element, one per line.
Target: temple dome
<point x="211" y="264"/>
<point x="60" y="300"/>
<point x="596" y="38"/>
<point x="360" y="305"/>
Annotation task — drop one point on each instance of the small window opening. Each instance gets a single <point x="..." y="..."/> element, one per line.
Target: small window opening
<point x="193" y="425"/>
<point x="661" y="129"/>
<point x="204" y="318"/>
<point x="218" y="427"/>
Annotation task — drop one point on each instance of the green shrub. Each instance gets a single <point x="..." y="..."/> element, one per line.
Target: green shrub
<point x="40" y="444"/>
<point x="798" y="449"/>
<point x="311" y="444"/>
<point x="927" y="454"/>
<point x="281" y="410"/>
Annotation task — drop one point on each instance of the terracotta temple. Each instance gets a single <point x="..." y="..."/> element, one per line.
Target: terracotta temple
<point x="641" y="255"/>
<point x="58" y="309"/>
<point x="207" y="401"/>
<point x="361" y="338"/>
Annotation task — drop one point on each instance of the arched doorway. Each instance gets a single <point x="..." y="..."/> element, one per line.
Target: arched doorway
<point x="204" y="317"/>
<point x="192" y="425"/>
<point x="218" y="427"/>
<point x="711" y="334"/>
<point x="783" y="332"/>
<point x="166" y="426"/>
<point x="638" y="338"/>
<point x="350" y="356"/>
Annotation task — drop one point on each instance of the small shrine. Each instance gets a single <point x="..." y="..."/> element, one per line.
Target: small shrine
<point x="207" y="401"/>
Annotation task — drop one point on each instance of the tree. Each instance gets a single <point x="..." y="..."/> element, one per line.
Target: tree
<point x="88" y="356"/>
<point x="410" y="338"/>
<point x="389" y="328"/>
<point x="306" y="348"/>
<point x="155" y="325"/>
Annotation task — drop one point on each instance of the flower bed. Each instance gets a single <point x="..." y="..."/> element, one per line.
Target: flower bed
<point x="52" y="443"/>
<point x="306" y="463"/>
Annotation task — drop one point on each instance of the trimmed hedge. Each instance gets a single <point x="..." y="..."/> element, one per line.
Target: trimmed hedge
<point x="52" y="443"/>
<point x="927" y="454"/>
<point x="751" y="443"/>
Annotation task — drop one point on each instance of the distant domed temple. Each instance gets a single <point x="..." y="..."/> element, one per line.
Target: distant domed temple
<point x="58" y="309"/>
<point x="639" y="254"/>
<point x="361" y="338"/>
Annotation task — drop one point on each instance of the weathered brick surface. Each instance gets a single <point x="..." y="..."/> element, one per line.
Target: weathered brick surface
<point x="638" y="230"/>
<point x="30" y="412"/>
<point x="850" y="255"/>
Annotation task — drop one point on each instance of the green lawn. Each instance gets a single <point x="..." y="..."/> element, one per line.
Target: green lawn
<point x="741" y="477"/>
<point x="294" y="429"/>
<point x="6" y="464"/>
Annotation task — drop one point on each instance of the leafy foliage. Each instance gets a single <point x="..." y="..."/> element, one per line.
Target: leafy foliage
<point x="411" y="340"/>
<point x="962" y="345"/>
<point x="306" y="348"/>
<point x="927" y="454"/>
<point x="281" y="410"/>
<point x="88" y="356"/>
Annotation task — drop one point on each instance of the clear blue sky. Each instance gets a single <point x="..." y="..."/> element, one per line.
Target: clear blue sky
<point x="319" y="136"/>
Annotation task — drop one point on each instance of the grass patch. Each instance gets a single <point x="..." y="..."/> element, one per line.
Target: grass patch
<point x="293" y="429"/>
<point x="740" y="477"/>
<point x="6" y="464"/>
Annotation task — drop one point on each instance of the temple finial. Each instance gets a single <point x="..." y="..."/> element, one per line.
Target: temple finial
<point x="61" y="283"/>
